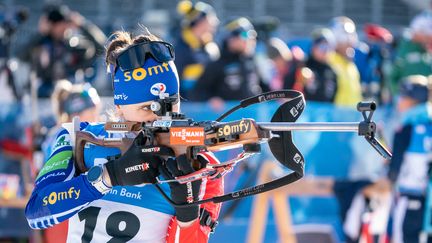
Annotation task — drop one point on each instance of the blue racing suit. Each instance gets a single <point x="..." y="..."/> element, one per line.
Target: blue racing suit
<point x="409" y="168"/>
<point x="130" y="213"/>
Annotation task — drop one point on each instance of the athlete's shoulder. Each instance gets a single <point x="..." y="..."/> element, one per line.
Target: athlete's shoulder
<point x="96" y="128"/>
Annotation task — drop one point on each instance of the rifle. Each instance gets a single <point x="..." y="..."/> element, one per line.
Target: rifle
<point x="184" y="135"/>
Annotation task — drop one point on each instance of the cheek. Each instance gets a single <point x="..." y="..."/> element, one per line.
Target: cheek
<point x="139" y="116"/>
<point x="90" y="115"/>
<point x="322" y="55"/>
<point x="405" y="104"/>
<point x="129" y="115"/>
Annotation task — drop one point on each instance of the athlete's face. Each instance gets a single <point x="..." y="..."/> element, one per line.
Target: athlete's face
<point x="405" y="103"/>
<point x="320" y="51"/>
<point x="140" y="112"/>
<point x="90" y="114"/>
<point x="243" y="44"/>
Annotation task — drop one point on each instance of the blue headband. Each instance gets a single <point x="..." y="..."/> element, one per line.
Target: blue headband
<point x="145" y="83"/>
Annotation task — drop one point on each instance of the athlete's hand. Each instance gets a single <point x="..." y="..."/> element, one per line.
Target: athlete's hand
<point x="182" y="193"/>
<point x="138" y="165"/>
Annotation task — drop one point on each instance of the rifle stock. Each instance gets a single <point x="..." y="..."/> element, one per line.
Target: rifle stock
<point x="82" y="138"/>
<point x="223" y="136"/>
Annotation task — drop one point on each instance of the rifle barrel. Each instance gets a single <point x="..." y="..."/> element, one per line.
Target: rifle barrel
<point x="310" y="126"/>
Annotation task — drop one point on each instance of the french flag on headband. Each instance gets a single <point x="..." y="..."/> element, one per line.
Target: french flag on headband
<point x="145" y="83"/>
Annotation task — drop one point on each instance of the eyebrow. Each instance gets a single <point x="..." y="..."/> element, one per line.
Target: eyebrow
<point x="144" y="105"/>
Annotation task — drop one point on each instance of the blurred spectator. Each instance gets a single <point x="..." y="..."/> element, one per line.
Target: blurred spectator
<point x="69" y="100"/>
<point x="413" y="54"/>
<point x="348" y="77"/>
<point x="72" y="100"/>
<point x="7" y="85"/>
<point x="287" y="65"/>
<point x="234" y="76"/>
<point x="65" y="47"/>
<point x="409" y="166"/>
<point x="266" y="27"/>
<point x="9" y="24"/>
<point x="194" y="46"/>
<point x="322" y="86"/>
<point x="371" y="58"/>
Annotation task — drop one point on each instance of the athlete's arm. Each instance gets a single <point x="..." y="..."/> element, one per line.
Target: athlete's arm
<point x="401" y="143"/>
<point x="58" y="195"/>
<point x="198" y="231"/>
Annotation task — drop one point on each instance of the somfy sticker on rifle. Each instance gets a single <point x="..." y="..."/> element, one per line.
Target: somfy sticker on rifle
<point x="187" y="136"/>
<point x="234" y="128"/>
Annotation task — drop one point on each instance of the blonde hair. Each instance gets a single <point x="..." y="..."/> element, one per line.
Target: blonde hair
<point x="61" y="91"/>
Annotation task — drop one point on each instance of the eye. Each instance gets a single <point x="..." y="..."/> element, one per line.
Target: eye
<point x="146" y="108"/>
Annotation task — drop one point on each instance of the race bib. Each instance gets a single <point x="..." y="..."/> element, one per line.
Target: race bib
<point x="414" y="173"/>
<point x="106" y="221"/>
